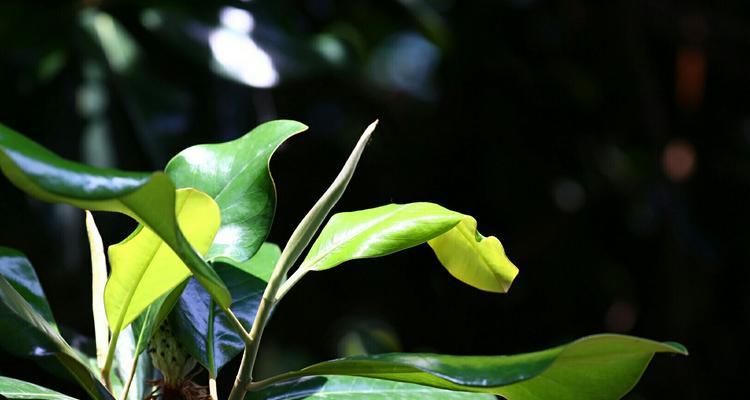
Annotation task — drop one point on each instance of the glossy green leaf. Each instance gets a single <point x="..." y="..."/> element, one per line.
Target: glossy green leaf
<point x="206" y="332"/>
<point x="594" y="367"/>
<point x="144" y="268"/>
<point x="375" y="232"/>
<point x="16" y="389"/>
<point x="25" y="332"/>
<point x="335" y="387"/>
<point x="278" y="283"/>
<point x="148" y="198"/>
<point x="17" y="270"/>
<point x="236" y="174"/>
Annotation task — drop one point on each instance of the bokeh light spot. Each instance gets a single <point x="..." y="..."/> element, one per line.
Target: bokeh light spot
<point x="237" y="19"/>
<point x="678" y="160"/>
<point x="569" y="195"/>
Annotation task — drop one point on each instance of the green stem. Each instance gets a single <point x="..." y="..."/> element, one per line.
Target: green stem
<point x="237" y="325"/>
<point x="260" y="385"/>
<point x="299" y="240"/>
<point x="286" y="286"/>
<point x="244" y="375"/>
<point x="107" y="369"/>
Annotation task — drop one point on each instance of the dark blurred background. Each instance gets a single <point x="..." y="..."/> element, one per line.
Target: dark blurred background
<point x="607" y="144"/>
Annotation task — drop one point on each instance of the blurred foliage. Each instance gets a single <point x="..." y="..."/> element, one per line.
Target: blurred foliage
<point x="608" y="143"/>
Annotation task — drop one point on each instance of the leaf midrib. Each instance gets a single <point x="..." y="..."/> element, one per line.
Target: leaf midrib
<point x="335" y="245"/>
<point x="235" y="176"/>
<point x="150" y="260"/>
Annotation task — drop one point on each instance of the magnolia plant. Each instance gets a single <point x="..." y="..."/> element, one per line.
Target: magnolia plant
<point x="194" y="285"/>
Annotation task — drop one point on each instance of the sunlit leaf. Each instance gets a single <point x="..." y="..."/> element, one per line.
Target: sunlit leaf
<point x="236" y="174"/>
<point x="148" y="198"/>
<point x="376" y="232"/>
<point x="17" y="270"/>
<point x="595" y="367"/>
<point x="472" y="258"/>
<point x="144" y="268"/>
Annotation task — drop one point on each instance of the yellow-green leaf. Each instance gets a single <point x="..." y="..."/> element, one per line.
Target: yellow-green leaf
<point x="472" y="258"/>
<point x="144" y="267"/>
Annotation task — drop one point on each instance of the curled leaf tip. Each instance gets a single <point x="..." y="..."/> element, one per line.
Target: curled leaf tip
<point x="678" y="347"/>
<point x="237" y="175"/>
<point x="474" y="259"/>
